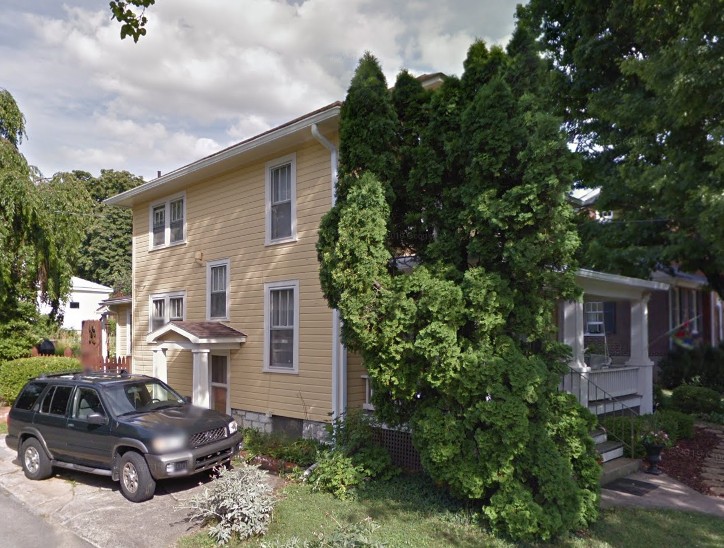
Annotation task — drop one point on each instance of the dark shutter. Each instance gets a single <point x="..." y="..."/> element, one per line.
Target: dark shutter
<point x="609" y="317"/>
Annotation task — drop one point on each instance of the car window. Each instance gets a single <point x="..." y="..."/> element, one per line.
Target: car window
<point x="141" y="396"/>
<point x="86" y="402"/>
<point x="29" y="396"/>
<point x="56" y="400"/>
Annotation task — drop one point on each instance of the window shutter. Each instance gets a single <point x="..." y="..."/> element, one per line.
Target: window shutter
<point x="609" y="316"/>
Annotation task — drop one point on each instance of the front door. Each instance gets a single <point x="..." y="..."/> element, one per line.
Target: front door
<point x="220" y="383"/>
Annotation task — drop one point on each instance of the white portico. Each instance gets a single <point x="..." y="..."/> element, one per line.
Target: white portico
<point x="202" y="339"/>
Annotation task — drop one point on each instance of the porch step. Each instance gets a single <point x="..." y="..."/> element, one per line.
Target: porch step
<point x="599" y="435"/>
<point x="618" y="468"/>
<point x="605" y="406"/>
<point x="610" y="450"/>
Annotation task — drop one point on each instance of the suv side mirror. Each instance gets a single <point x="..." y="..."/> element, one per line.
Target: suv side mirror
<point x="96" y="418"/>
<point x="187" y="399"/>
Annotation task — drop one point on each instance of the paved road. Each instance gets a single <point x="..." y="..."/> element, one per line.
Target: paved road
<point x="21" y="528"/>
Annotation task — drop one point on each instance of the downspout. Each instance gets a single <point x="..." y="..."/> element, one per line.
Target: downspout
<point x="339" y="357"/>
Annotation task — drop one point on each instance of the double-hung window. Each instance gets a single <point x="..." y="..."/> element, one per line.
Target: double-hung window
<point x="168" y="222"/>
<point x="281" y="327"/>
<point x="600" y="317"/>
<point x="217" y="282"/>
<point x="166" y="308"/>
<point x="281" y="197"/>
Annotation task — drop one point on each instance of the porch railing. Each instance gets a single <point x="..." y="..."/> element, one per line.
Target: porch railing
<point x="585" y="390"/>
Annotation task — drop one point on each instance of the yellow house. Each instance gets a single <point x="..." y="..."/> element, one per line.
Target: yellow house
<point x="227" y="305"/>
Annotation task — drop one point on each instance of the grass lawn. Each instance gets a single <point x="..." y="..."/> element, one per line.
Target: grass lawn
<point x="410" y="512"/>
<point x="3" y="428"/>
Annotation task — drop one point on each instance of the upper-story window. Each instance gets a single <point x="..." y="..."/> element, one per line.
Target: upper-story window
<point x="217" y="282"/>
<point x="166" y="307"/>
<point x="281" y="197"/>
<point x="168" y="222"/>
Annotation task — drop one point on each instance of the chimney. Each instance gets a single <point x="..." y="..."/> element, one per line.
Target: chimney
<point x="158" y="173"/>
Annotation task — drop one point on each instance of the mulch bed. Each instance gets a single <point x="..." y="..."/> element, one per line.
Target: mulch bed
<point x="684" y="461"/>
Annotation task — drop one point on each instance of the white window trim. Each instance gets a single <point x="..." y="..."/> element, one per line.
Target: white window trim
<point x="209" y="265"/>
<point x="167" y="234"/>
<point x="129" y="332"/>
<point x="268" y="287"/>
<point x="167" y="308"/>
<point x="289" y="159"/>
<point x="227" y="355"/>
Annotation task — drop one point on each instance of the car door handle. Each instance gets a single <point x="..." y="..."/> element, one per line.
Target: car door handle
<point x="71" y="425"/>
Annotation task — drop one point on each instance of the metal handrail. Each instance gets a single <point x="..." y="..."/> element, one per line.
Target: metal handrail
<point x="619" y="409"/>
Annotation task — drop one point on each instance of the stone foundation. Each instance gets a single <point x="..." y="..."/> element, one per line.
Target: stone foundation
<point x="263" y="423"/>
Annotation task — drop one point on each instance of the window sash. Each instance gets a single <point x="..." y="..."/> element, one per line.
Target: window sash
<point x="176" y="308"/>
<point x="281" y="201"/>
<point x="281" y="328"/>
<point x="177" y="220"/>
<point x="217" y="291"/>
<point x="594" y="314"/>
<point x="158" y="317"/>
<point x="159" y="225"/>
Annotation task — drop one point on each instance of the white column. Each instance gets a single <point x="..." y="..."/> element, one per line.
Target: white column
<point x="640" y="352"/>
<point x="160" y="364"/>
<point x="201" y="378"/>
<point x="573" y="332"/>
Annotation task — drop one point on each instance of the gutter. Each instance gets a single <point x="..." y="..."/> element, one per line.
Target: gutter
<point x="339" y="355"/>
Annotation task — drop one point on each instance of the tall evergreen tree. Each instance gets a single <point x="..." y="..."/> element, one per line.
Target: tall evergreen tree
<point x="461" y="346"/>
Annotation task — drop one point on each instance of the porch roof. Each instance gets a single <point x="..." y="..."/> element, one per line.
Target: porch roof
<point x="197" y="333"/>
<point x="615" y="285"/>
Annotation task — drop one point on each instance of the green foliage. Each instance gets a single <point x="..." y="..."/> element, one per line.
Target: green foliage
<point x="337" y="473"/>
<point x="302" y="452"/>
<point x="355" y="458"/>
<point x="106" y="257"/>
<point x="238" y="502"/>
<point x="460" y="346"/>
<point x="702" y="365"/>
<point x="639" y="84"/>
<point x="14" y="374"/>
<point x="41" y="228"/>
<point x="678" y="425"/>
<point x="350" y="535"/>
<point x="631" y="429"/>
<point x="695" y="399"/>
<point x="133" y="22"/>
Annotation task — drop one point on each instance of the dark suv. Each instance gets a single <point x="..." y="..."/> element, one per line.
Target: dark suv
<point x="133" y="428"/>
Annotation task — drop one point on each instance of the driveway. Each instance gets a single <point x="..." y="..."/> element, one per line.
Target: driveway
<point x="93" y="508"/>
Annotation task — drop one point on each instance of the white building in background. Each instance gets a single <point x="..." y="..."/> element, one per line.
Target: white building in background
<point x="82" y="304"/>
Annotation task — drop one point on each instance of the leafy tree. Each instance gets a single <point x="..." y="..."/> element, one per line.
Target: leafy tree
<point x="640" y="85"/>
<point x="133" y="22"/>
<point x="41" y="227"/>
<point x="106" y="256"/>
<point x="461" y="346"/>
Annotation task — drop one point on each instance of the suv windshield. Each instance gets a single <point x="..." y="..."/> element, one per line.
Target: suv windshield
<point x="139" y="396"/>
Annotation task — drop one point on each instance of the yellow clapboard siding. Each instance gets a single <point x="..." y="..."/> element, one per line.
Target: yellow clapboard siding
<point x="225" y="219"/>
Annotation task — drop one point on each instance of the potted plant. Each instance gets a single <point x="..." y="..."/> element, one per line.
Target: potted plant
<point x="654" y="442"/>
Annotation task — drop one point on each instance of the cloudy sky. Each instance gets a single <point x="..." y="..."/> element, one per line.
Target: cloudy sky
<point x="210" y="72"/>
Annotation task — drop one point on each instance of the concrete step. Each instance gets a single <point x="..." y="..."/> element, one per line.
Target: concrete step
<point x="615" y="405"/>
<point x="610" y="450"/>
<point x="618" y="468"/>
<point x="599" y="435"/>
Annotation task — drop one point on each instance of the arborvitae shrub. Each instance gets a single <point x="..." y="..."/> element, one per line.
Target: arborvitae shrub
<point x="14" y="374"/>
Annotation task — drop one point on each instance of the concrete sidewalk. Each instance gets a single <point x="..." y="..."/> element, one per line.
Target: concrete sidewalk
<point x="643" y="490"/>
<point x="93" y="508"/>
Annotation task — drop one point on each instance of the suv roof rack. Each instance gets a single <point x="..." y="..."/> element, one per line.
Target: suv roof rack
<point x="91" y="374"/>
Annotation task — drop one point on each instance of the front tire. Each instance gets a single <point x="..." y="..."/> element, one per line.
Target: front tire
<point x="137" y="483"/>
<point x="36" y="463"/>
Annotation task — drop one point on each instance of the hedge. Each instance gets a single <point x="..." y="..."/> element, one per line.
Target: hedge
<point x="14" y="374"/>
<point x="676" y="424"/>
<point x="696" y="399"/>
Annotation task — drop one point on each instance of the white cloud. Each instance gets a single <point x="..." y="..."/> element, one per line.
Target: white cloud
<point x="209" y="72"/>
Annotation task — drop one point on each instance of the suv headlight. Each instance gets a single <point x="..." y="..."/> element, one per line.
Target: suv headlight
<point x="166" y="444"/>
<point x="233" y="427"/>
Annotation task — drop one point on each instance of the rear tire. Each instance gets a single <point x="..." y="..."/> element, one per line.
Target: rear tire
<point x="137" y="483"/>
<point x="36" y="463"/>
